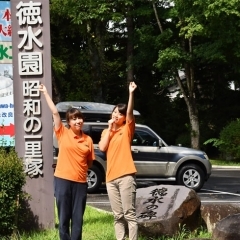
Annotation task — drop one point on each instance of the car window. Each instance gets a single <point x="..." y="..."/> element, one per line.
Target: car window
<point x="96" y="132"/>
<point x="143" y="138"/>
<point x="85" y="129"/>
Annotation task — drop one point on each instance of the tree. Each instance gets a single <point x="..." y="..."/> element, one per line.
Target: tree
<point x="193" y="27"/>
<point x="98" y="46"/>
<point x="92" y="22"/>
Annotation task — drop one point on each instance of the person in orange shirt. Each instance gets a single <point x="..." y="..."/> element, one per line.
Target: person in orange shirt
<point x="120" y="176"/>
<point x="76" y="153"/>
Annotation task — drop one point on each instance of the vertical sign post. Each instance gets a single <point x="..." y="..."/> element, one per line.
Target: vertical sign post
<point x="33" y="119"/>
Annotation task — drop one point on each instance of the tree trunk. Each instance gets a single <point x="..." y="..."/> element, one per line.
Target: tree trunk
<point x="96" y="52"/>
<point x="56" y="96"/>
<point x="195" y="133"/>
<point x="130" y="47"/>
<point x="188" y="91"/>
<point x="189" y="97"/>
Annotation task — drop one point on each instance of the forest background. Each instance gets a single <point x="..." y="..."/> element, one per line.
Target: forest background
<point x="186" y="49"/>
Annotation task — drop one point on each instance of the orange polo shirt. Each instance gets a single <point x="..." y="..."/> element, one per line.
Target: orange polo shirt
<point x="119" y="156"/>
<point x="74" y="152"/>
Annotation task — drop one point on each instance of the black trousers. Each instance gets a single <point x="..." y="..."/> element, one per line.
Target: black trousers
<point x="71" y="200"/>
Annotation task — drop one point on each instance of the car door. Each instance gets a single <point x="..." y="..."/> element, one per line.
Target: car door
<point x="151" y="159"/>
<point x="96" y="132"/>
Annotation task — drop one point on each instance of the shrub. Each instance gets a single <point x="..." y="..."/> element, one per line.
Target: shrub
<point x="12" y="180"/>
<point x="229" y="140"/>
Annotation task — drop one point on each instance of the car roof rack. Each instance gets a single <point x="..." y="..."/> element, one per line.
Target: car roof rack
<point x="92" y="111"/>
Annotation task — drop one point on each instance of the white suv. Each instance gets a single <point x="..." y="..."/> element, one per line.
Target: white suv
<point x="154" y="159"/>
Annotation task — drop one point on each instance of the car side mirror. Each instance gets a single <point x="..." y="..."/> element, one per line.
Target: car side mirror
<point x="134" y="142"/>
<point x="160" y="143"/>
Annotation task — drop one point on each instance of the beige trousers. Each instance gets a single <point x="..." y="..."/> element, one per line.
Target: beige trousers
<point x="122" y="196"/>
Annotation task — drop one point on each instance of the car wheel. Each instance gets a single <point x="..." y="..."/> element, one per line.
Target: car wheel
<point x="94" y="179"/>
<point x="191" y="176"/>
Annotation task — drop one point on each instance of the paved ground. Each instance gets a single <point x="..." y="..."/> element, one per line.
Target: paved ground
<point x="222" y="187"/>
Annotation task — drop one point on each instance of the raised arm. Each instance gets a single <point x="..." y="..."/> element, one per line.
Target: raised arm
<point x="132" y="87"/>
<point x="51" y="105"/>
<point x="104" y="141"/>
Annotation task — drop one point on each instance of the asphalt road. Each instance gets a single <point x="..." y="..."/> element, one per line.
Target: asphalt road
<point x="223" y="186"/>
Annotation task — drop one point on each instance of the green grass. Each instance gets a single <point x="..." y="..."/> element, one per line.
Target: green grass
<point x="98" y="225"/>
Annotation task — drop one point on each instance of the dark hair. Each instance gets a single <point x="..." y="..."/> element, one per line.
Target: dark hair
<point x="73" y="113"/>
<point x="122" y="108"/>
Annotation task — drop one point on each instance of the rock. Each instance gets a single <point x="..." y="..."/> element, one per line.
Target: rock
<point x="214" y="212"/>
<point x="228" y="228"/>
<point x="164" y="209"/>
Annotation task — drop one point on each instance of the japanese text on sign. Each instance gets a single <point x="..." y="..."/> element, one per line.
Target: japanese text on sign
<point x="30" y="63"/>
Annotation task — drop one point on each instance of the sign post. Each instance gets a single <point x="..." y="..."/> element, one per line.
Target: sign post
<point x="32" y="118"/>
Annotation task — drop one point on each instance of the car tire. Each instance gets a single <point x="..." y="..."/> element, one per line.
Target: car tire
<point x="94" y="179"/>
<point x="191" y="176"/>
